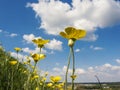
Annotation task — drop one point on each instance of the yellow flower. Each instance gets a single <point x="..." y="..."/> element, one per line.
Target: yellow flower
<point x="59" y="85"/>
<point x="43" y="79"/>
<point x="73" y="34"/>
<point x="13" y="62"/>
<point x="55" y="78"/>
<point x="25" y="71"/>
<point x="36" y="76"/>
<point x="36" y="88"/>
<point x="73" y="77"/>
<point x="41" y="83"/>
<point x="38" y="57"/>
<point x="17" y="49"/>
<point x="40" y="42"/>
<point x="49" y="84"/>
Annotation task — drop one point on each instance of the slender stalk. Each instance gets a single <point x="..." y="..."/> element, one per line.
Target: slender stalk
<point x="18" y="61"/>
<point x="34" y="67"/>
<point x="40" y="50"/>
<point x="99" y="82"/>
<point x="12" y="80"/>
<point x="67" y="69"/>
<point x="73" y="71"/>
<point x="28" y="80"/>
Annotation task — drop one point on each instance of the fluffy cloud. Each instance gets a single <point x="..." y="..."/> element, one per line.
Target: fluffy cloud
<point x="19" y="56"/>
<point x="13" y="35"/>
<point x="106" y="72"/>
<point x="8" y="33"/>
<point x="118" y="61"/>
<point x="77" y="50"/>
<point x="54" y="45"/>
<point x="96" y="48"/>
<point x="28" y="37"/>
<point x="1" y="30"/>
<point x="85" y="14"/>
<point x="36" y="50"/>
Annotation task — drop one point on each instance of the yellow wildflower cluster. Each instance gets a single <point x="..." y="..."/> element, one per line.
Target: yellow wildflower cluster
<point x="36" y="80"/>
<point x="54" y="84"/>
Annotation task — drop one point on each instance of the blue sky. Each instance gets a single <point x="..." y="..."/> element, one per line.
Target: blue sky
<point x="98" y="53"/>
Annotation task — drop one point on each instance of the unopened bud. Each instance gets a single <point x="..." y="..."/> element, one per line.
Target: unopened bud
<point x="71" y="42"/>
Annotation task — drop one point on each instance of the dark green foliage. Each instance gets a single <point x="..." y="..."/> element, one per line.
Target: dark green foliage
<point x="8" y="71"/>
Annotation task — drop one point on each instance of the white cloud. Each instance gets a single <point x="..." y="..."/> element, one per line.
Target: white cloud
<point x="106" y="73"/>
<point x="19" y="56"/>
<point x="6" y="33"/>
<point x="56" y="69"/>
<point x="13" y="35"/>
<point x="96" y="48"/>
<point x="86" y="14"/>
<point x="36" y="50"/>
<point x="54" y="45"/>
<point x="57" y="64"/>
<point x="1" y="30"/>
<point x="77" y="50"/>
<point x="118" y="61"/>
<point x="80" y="71"/>
<point x="28" y="37"/>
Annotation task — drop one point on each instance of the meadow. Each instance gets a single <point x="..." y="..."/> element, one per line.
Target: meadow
<point x="24" y="75"/>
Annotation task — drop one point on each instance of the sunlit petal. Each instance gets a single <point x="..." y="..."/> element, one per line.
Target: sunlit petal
<point x="64" y="35"/>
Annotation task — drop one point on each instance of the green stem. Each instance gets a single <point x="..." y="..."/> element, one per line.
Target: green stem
<point x="18" y="61"/>
<point x="40" y="50"/>
<point x="73" y="72"/>
<point x="99" y="82"/>
<point x="34" y="66"/>
<point x="12" y="80"/>
<point x="67" y="69"/>
<point x="28" y="80"/>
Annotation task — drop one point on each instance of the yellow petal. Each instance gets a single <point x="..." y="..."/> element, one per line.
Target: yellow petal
<point x="73" y="33"/>
<point x="36" y="88"/>
<point x="40" y="42"/>
<point x="34" y="40"/>
<point x="70" y="30"/>
<point x="81" y="34"/>
<point x="17" y="49"/>
<point x="46" y="41"/>
<point x="13" y="62"/>
<point x="55" y="78"/>
<point x="42" y="56"/>
<point x="36" y="76"/>
<point x="73" y="76"/>
<point x="64" y="35"/>
<point x="38" y="57"/>
<point x="49" y="84"/>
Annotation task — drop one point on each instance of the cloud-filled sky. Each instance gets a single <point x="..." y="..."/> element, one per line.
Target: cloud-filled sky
<point x="97" y="54"/>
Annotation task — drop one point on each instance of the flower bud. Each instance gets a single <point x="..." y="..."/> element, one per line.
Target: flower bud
<point x="71" y="42"/>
